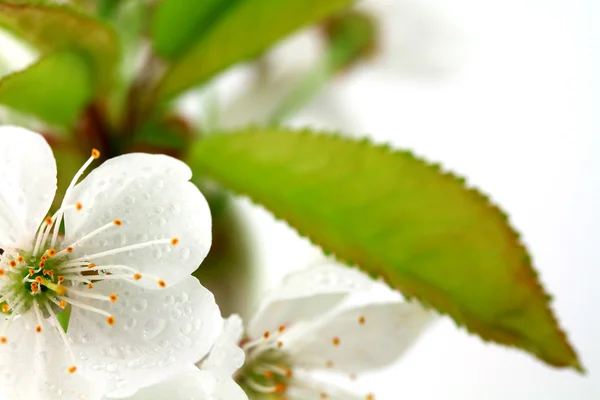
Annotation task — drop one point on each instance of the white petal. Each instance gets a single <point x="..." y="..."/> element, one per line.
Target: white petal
<point x="28" y="185"/>
<point x="152" y="196"/>
<point x="226" y="356"/>
<point x="228" y="389"/>
<point x="156" y="331"/>
<point x="361" y="338"/>
<point x="306" y="294"/>
<point x="307" y="386"/>
<point x="34" y="366"/>
<point x="191" y="384"/>
<point x="188" y="385"/>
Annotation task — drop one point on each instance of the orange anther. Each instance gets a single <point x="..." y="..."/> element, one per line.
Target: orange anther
<point x="48" y="221"/>
<point x="361" y="320"/>
<point x="268" y="374"/>
<point x="118" y="222"/>
<point x="51" y="252"/>
<point x="370" y="397"/>
<point x="92" y="265"/>
<point x="39" y="279"/>
<point x="61" y="279"/>
<point x="281" y="328"/>
<point x="174" y="241"/>
<point x="162" y="283"/>
<point x="69" y="249"/>
<point x="280" y="387"/>
<point x="20" y="259"/>
<point x="110" y="320"/>
<point x="5" y="308"/>
<point x="137" y="276"/>
<point x="90" y="286"/>
<point x="266" y="334"/>
<point x="280" y="344"/>
<point x="38" y="329"/>
<point x="113" y="297"/>
<point x="43" y="258"/>
<point x="72" y="369"/>
<point x="78" y="206"/>
<point x="335" y="341"/>
<point x="12" y="263"/>
<point x="1" y="271"/>
<point x="95" y="154"/>
<point x="62" y="304"/>
<point x="3" y="339"/>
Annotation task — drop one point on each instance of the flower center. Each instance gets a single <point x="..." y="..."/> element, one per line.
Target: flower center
<point x="267" y="368"/>
<point x="49" y="278"/>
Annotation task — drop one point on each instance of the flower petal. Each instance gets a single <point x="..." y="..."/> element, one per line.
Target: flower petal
<point x="306" y="294"/>
<point x="228" y="389"/>
<point x="155" y="332"/>
<point x="361" y="338"/>
<point x="226" y="356"/>
<point x="34" y="366"/>
<point x="28" y="176"/>
<point x="153" y="199"/>
<point x="191" y="384"/>
<point x="307" y="386"/>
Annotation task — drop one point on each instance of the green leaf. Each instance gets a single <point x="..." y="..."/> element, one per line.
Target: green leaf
<point x="192" y="19"/>
<point x="233" y="32"/>
<point x="54" y="89"/>
<point x="54" y="28"/>
<point x="399" y="217"/>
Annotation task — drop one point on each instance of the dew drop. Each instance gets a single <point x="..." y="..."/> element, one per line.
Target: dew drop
<point x="154" y="327"/>
<point x="183" y="297"/>
<point x="184" y="253"/>
<point x="130" y="323"/>
<point x="186" y="329"/>
<point x="169" y="300"/>
<point x="140" y="305"/>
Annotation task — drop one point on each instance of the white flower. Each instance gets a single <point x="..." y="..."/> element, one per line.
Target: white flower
<point x="326" y="318"/>
<point x="135" y="228"/>
<point x="213" y="380"/>
<point x="191" y="384"/>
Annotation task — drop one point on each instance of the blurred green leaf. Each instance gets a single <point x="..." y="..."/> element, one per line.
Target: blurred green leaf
<point x="399" y="217"/>
<point x="54" y="89"/>
<point x="232" y="32"/>
<point x="191" y="17"/>
<point x="53" y="28"/>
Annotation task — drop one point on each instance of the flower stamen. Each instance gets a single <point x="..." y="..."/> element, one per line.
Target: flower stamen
<point x="63" y="336"/>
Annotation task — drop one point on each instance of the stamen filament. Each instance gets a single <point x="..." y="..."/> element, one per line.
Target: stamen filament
<point x="121" y="250"/>
<point x="43" y="234"/>
<point x="260" y="388"/>
<point x="85" y="306"/>
<point x="61" y="332"/>
<point x="84" y="238"/>
<point x="95" y="155"/>
<point x="86" y="294"/>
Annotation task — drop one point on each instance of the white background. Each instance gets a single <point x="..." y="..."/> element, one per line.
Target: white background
<point x="508" y="98"/>
<point x="516" y="114"/>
